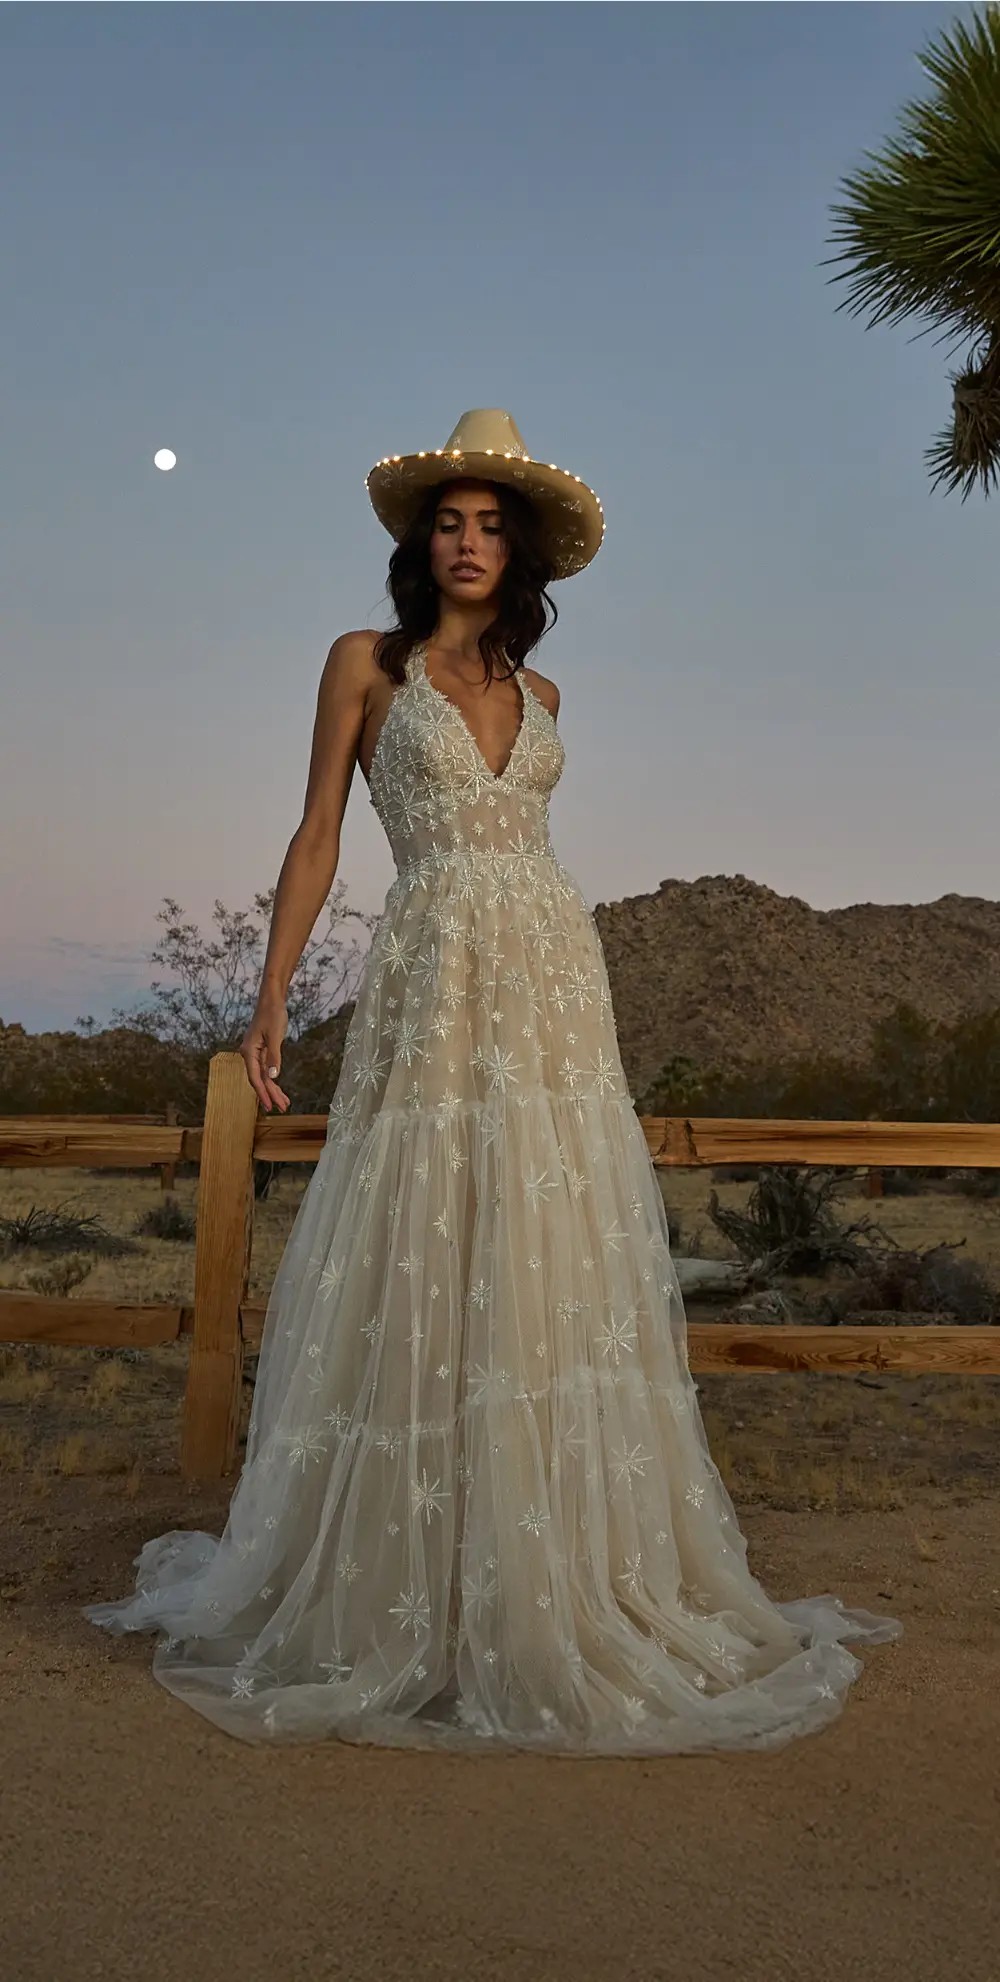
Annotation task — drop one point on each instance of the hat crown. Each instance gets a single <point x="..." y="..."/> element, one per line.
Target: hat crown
<point x="486" y="430"/>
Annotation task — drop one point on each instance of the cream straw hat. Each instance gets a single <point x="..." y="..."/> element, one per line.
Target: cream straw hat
<point x="486" y="447"/>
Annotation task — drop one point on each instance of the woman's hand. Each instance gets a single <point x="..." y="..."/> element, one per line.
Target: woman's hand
<point x="261" y="1050"/>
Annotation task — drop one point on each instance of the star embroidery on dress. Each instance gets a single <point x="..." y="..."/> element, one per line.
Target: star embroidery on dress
<point x="304" y="1445"/>
<point x="629" y="1461"/>
<point x="619" y="1334"/>
<point x="537" y="1187"/>
<point x="534" y="1519"/>
<point x="426" y="1499"/>
<point x="499" y="1065"/>
<point x="330" y="1278"/>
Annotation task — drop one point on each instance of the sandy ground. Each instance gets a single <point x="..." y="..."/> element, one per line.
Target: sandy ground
<point x="139" y="1841"/>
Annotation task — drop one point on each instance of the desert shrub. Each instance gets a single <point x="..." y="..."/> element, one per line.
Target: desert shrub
<point x="931" y="1282"/>
<point x="789" y="1224"/>
<point x="913" y="1179"/>
<point x="680" y="1088"/>
<point x="977" y="1183"/>
<point x="166" y="1219"/>
<point x="965" y="1287"/>
<point x="59" y="1277"/>
<point x="53" y="1230"/>
<point x="902" y="1180"/>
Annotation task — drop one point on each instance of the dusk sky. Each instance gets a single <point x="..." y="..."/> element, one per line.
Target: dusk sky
<point x="285" y="240"/>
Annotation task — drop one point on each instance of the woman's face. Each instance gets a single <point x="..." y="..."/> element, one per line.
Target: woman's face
<point x="468" y="530"/>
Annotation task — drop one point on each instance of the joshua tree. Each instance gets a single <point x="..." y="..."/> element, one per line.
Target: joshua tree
<point x="921" y="224"/>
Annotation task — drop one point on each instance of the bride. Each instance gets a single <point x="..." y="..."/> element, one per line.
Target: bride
<point x="477" y="1509"/>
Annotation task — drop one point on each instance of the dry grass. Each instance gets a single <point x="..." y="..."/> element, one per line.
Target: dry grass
<point x="161" y="1269"/>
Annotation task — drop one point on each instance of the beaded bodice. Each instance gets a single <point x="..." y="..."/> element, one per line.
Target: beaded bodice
<point x="435" y="794"/>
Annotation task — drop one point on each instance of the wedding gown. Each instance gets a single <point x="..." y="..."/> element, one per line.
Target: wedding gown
<point x="478" y="1508"/>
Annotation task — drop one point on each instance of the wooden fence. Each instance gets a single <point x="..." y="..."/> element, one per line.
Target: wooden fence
<point x="223" y="1324"/>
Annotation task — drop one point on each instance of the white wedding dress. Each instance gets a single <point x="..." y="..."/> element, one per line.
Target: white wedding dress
<point x="478" y="1508"/>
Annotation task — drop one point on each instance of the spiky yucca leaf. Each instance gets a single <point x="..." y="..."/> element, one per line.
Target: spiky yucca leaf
<point x="921" y="227"/>
<point x="969" y="450"/>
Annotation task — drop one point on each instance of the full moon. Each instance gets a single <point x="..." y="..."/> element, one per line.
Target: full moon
<point x="164" y="458"/>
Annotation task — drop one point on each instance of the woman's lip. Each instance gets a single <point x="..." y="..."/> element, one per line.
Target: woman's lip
<point x="467" y="571"/>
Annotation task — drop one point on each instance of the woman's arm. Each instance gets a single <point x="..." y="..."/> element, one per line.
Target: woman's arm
<point x="310" y="864"/>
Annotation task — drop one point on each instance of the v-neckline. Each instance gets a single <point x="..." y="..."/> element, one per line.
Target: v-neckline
<point x="495" y="777"/>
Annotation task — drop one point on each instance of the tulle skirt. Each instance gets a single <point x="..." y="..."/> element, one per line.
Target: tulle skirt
<point x="478" y="1510"/>
<point x="490" y="1521"/>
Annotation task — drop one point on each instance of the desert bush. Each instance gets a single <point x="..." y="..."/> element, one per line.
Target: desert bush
<point x="789" y="1224"/>
<point x="59" y="1277"/>
<point x="977" y="1183"/>
<point x="912" y="1179"/>
<point x="966" y="1289"/>
<point x="51" y="1229"/>
<point x="166" y="1219"/>
<point x="680" y="1088"/>
<point x="902" y="1180"/>
<point x="930" y="1282"/>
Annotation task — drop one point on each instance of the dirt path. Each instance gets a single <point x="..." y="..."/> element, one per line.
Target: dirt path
<point x="137" y="1841"/>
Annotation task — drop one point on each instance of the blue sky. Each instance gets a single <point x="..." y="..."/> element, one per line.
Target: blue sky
<point x="285" y="240"/>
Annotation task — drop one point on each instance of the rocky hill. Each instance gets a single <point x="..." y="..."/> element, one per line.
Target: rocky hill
<point x="721" y="969"/>
<point x="727" y="971"/>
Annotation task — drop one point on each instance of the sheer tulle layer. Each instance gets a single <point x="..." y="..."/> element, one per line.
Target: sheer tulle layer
<point x="478" y="1508"/>
<point x="478" y="1505"/>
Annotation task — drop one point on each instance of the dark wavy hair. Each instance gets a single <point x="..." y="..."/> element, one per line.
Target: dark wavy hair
<point x="519" y="623"/>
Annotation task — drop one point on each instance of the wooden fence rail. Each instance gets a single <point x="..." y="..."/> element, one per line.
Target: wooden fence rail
<point x="169" y="1116"/>
<point x="223" y="1324"/>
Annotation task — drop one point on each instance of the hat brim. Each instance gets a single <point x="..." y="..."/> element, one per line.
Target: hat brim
<point x="571" y="512"/>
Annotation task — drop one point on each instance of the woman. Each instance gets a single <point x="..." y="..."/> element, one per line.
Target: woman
<point x="478" y="1508"/>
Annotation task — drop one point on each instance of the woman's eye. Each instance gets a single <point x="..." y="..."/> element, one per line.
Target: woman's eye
<point x="489" y="529"/>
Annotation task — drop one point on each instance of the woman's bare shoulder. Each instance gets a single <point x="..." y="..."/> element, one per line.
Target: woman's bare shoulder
<point x="350" y="665"/>
<point x="354" y="649"/>
<point x="546" y="690"/>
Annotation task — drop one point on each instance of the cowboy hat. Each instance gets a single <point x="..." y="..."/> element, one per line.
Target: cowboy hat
<point x="487" y="447"/>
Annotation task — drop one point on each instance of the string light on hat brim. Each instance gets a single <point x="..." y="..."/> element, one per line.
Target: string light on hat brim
<point x="567" y="542"/>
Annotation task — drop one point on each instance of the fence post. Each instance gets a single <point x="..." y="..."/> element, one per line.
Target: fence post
<point x="223" y="1239"/>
